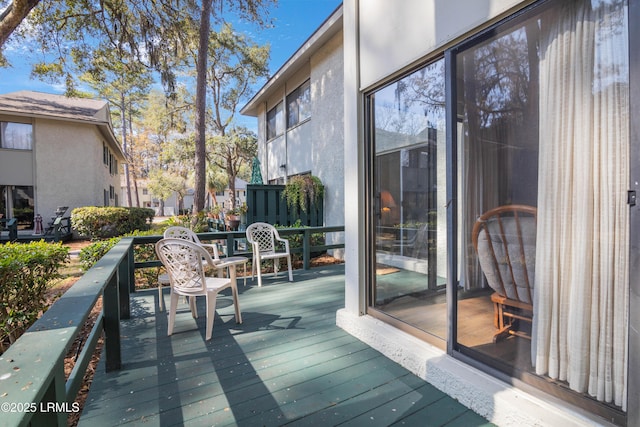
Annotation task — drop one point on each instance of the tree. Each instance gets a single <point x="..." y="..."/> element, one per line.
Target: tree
<point x="217" y="180"/>
<point x="123" y="83"/>
<point x="251" y="10"/>
<point x="235" y="65"/>
<point x="163" y="184"/>
<point x="233" y="153"/>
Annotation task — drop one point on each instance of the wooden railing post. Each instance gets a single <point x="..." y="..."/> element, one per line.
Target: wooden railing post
<point x="123" y="287"/>
<point x="132" y="269"/>
<point x="54" y="394"/>
<point x="111" y="309"/>
<point x="306" y="249"/>
<point x="230" y="244"/>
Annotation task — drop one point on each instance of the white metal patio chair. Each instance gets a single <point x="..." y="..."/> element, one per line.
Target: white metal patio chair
<point x="177" y="232"/>
<point x="183" y="260"/>
<point x="263" y="238"/>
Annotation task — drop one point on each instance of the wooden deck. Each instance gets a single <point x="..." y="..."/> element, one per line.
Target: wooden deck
<point x="287" y="364"/>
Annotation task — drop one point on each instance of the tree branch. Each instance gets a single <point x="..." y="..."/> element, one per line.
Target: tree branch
<point x="12" y="16"/>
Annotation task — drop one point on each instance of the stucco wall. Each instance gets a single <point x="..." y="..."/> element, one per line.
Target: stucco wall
<point x="315" y="145"/>
<point x="69" y="167"/>
<point x="327" y="113"/>
<point x="394" y="35"/>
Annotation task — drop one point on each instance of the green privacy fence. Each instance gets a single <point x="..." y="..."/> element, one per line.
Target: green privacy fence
<point x="265" y="204"/>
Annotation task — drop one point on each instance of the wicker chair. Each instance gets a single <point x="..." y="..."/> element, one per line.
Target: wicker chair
<point x="183" y="260"/>
<point x="263" y="238"/>
<point x="505" y="241"/>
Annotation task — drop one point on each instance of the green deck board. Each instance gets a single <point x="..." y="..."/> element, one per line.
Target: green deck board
<point x="287" y="363"/>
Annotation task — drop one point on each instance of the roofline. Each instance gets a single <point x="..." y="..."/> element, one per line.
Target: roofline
<point x="105" y="127"/>
<point x="331" y="26"/>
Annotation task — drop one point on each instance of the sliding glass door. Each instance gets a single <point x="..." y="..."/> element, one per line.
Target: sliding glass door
<point x="543" y="111"/>
<point x="540" y="235"/>
<point x="409" y="166"/>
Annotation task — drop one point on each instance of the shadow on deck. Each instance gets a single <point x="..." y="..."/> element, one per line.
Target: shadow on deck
<point x="287" y="364"/>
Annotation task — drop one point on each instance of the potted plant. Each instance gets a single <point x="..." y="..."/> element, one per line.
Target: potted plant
<point x="232" y="216"/>
<point x="303" y="189"/>
<point x="214" y="212"/>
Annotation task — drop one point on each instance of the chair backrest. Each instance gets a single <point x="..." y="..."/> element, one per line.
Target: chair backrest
<point x="177" y="232"/>
<point x="263" y="235"/>
<point x="183" y="262"/>
<point x="505" y="240"/>
<point x="61" y="210"/>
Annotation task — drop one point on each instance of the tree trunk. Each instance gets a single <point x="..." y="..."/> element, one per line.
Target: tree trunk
<point x="134" y="174"/>
<point x="123" y="117"/>
<point x="201" y="104"/>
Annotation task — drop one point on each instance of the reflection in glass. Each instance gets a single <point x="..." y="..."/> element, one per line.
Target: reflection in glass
<point x="543" y="111"/>
<point x="409" y="188"/>
<point x="18" y="136"/>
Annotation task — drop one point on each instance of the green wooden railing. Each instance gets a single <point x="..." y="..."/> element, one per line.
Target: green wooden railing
<point x="33" y="388"/>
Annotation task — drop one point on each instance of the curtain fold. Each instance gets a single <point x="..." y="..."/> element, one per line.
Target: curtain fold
<point x="581" y="300"/>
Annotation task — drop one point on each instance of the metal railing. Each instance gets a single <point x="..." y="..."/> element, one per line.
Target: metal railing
<point x="33" y="388"/>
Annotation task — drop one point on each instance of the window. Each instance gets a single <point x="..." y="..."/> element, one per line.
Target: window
<point x="105" y="154"/>
<point x="16" y="201"/>
<point x="145" y="191"/>
<point x="113" y="164"/>
<point x="275" y="121"/>
<point x="17" y="136"/>
<point x="112" y="192"/>
<point x="299" y="105"/>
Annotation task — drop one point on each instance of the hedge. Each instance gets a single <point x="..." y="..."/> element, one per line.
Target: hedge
<point x="25" y="271"/>
<point x="105" y="222"/>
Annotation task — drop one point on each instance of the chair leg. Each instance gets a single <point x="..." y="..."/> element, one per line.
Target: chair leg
<point x="253" y="267"/>
<point x="211" y="310"/>
<point x="289" y="265"/>
<point x="234" y="292"/>
<point x="173" y="306"/>
<point x="259" y="272"/>
<point x="192" y="306"/>
<point x="160" y="297"/>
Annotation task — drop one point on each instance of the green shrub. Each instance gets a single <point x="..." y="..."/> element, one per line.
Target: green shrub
<point x="105" y="222"/>
<point x="25" y="272"/>
<point x="91" y="254"/>
<point x="296" y="240"/>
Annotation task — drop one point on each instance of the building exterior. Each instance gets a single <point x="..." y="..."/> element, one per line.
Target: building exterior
<point x="300" y="111"/>
<point x="55" y="151"/>
<point x="452" y="109"/>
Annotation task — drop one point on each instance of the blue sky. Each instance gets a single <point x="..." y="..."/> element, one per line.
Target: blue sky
<point x="294" y="22"/>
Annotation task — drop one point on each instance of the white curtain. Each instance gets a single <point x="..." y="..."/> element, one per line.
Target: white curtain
<point x="581" y="300"/>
